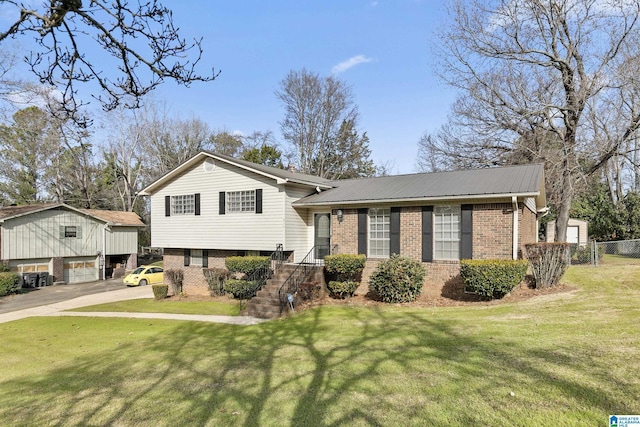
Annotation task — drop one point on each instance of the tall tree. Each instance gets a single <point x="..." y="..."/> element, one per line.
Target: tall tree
<point x="315" y="110"/>
<point x="528" y="68"/>
<point x="74" y="38"/>
<point x="28" y="145"/>
<point x="267" y="155"/>
<point x="223" y="142"/>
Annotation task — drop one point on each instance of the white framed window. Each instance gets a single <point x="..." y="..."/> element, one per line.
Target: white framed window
<point x="379" y="232"/>
<point x="196" y="257"/>
<point x="241" y="201"/>
<point x="183" y="205"/>
<point x="446" y="232"/>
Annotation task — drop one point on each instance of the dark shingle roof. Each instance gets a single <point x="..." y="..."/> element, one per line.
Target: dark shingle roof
<point x="513" y="180"/>
<point x="277" y="172"/>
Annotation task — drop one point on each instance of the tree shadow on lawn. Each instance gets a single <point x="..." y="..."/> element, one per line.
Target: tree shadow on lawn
<point x="324" y="367"/>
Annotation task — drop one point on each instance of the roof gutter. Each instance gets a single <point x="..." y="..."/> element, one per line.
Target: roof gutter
<point x="413" y="200"/>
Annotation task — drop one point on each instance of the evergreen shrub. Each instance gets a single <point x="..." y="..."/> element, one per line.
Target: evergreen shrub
<point x="398" y="279"/>
<point x="492" y="278"/>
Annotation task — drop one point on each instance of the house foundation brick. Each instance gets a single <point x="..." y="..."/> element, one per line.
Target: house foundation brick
<point x="194" y="282"/>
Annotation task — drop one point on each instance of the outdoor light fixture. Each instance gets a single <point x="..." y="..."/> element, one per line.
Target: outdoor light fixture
<point x="340" y="215"/>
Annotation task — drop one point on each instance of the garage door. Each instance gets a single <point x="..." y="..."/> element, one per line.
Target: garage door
<point x="572" y="234"/>
<point x="77" y="270"/>
<point x="29" y="266"/>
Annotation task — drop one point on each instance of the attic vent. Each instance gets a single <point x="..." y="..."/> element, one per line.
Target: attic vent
<point x="209" y="165"/>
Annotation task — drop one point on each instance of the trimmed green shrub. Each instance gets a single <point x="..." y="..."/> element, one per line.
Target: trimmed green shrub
<point x="9" y="283"/>
<point x="4" y="268"/>
<point x="398" y="279"/>
<point x="493" y="278"/>
<point x="160" y="291"/>
<point x="175" y="277"/>
<point x="548" y="261"/>
<point x="248" y="265"/>
<point x="215" y="280"/>
<point x="242" y="289"/>
<point x="338" y="289"/>
<point x="344" y="267"/>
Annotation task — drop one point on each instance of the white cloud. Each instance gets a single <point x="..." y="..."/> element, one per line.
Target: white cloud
<point x="349" y="63"/>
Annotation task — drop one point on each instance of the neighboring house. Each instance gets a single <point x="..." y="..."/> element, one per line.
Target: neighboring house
<point x="577" y="232"/>
<point x="72" y="245"/>
<point x="213" y="206"/>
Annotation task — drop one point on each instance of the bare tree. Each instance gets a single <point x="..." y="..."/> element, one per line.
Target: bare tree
<point x="316" y="108"/>
<point x="529" y="68"/>
<point x="168" y="140"/>
<point x="70" y="38"/>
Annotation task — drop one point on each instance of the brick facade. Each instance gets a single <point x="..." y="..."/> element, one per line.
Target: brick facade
<point x="492" y="239"/>
<point x="194" y="280"/>
<point x="344" y="235"/>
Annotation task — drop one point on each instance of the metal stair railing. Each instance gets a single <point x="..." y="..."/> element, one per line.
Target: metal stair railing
<point x="297" y="276"/>
<point x="261" y="275"/>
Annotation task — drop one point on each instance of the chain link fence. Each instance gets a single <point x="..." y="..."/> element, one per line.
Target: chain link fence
<point x="603" y="253"/>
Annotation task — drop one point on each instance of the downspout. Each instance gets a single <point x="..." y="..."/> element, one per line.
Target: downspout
<point x="103" y="260"/>
<point x="514" y="203"/>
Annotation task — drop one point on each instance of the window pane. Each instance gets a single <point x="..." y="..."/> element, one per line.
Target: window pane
<point x="446" y="232"/>
<point x="379" y="226"/>
<point x="241" y="201"/>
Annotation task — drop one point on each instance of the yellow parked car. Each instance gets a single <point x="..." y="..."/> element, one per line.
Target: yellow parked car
<point x="145" y="275"/>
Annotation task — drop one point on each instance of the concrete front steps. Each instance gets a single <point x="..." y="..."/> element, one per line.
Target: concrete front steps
<point x="266" y="303"/>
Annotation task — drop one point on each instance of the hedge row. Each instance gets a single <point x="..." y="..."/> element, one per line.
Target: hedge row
<point x="248" y="265"/>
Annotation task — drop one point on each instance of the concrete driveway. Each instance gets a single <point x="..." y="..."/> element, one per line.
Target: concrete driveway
<point x="53" y="300"/>
<point x="52" y="294"/>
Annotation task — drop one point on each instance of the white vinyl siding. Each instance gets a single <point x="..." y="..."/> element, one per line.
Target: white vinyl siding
<point x="241" y="201"/>
<point x="183" y="204"/>
<point x="446" y="231"/>
<point x="210" y="229"/>
<point x="379" y="232"/>
<point x="299" y="222"/>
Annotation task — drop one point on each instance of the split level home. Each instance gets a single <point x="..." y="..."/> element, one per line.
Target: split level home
<point x="70" y="244"/>
<point x="214" y="206"/>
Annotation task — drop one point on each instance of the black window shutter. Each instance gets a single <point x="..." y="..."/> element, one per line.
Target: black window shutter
<point x="221" y="203"/>
<point x="187" y="257"/>
<point x="362" y="230"/>
<point x="205" y="258"/>
<point x="167" y="205"/>
<point x="394" y="243"/>
<point x="259" y="201"/>
<point x="466" y="235"/>
<point x="197" y="203"/>
<point x="427" y="233"/>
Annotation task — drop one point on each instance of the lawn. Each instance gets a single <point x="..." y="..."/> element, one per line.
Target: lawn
<point x="567" y="359"/>
<point x="150" y="305"/>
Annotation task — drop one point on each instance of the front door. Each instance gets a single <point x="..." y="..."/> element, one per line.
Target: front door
<point x="322" y="234"/>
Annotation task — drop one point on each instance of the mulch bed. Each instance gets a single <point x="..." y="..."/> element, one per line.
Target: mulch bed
<point x="452" y="295"/>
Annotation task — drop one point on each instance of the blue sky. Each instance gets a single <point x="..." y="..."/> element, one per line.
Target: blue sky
<point x="256" y="43"/>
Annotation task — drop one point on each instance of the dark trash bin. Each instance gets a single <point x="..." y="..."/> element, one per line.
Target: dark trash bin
<point x="25" y="280"/>
<point x="43" y="279"/>
<point x="33" y="280"/>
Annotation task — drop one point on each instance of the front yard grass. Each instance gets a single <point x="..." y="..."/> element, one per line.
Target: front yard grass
<point x="567" y="359"/>
<point x="150" y="305"/>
